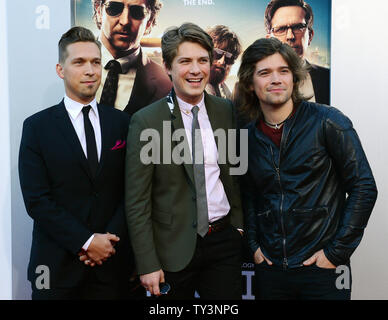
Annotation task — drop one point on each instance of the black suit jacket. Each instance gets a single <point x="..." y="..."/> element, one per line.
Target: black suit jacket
<point x="66" y="203"/>
<point x="320" y="77"/>
<point x="151" y="84"/>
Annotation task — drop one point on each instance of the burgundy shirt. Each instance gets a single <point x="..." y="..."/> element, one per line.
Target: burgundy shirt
<point x="274" y="134"/>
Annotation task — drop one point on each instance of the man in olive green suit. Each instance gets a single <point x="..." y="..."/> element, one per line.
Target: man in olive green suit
<point x="184" y="218"/>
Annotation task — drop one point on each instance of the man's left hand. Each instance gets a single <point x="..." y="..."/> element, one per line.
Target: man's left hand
<point x="83" y="257"/>
<point x="320" y="260"/>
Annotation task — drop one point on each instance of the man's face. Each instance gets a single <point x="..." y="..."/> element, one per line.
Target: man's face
<point x="273" y="81"/>
<point x="123" y="24"/>
<point x="293" y="17"/>
<point x="190" y="71"/>
<point x="222" y="63"/>
<point x="81" y="71"/>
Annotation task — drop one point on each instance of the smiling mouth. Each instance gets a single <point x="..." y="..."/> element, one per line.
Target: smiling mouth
<point x="194" y="80"/>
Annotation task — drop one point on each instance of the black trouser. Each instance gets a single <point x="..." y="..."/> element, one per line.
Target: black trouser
<point x="214" y="271"/>
<point x="304" y="283"/>
<point x="90" y="288"/>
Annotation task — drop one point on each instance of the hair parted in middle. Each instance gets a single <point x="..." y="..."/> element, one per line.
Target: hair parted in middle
<point x="257" y="51"/>
<point x="187" y="32"/>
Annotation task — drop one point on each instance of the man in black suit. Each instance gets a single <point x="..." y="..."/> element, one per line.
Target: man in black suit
<point x="71" y="169"/>
<point x="130" y="80"/>
<point x="291" y="21"/>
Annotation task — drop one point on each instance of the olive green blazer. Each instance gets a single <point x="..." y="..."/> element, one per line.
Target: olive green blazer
<point x="160" y="198"/>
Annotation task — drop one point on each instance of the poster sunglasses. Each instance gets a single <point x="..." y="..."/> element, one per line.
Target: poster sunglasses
<point x="114" y="8"/>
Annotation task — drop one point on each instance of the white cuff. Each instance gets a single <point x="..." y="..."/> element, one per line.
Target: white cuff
<point x="87" y="243"/>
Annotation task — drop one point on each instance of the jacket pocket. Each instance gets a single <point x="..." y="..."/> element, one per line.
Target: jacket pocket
<point x="306" y="227"/>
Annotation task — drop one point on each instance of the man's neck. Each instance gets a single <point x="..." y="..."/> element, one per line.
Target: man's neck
<point x="277" y="113"/>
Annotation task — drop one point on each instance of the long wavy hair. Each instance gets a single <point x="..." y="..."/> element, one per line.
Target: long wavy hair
<point x="247" y="101"/>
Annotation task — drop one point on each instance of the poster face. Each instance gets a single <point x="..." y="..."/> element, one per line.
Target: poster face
<point x="245" y="19"/>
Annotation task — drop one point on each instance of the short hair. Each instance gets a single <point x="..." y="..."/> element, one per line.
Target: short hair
<point x="274" y="5"/>
<point x="190" y="32"/>
<point x="257" y="51"/>
<point x="153" y="5"/>
<point x="73" y="35"/>
<point x="221" y="34"/>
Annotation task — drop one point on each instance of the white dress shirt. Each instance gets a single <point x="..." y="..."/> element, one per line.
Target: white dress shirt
<point x="217" y="202"/>
<point x="74" y="109"/>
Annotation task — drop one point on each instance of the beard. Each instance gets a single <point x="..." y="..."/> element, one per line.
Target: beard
<point x="217" y="75"/>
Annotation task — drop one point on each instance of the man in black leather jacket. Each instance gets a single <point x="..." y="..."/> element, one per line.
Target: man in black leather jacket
<point x="309" y="190"/>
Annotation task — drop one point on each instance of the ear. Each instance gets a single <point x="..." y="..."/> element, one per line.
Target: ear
<point x="148" y="27"/>
<point x="59" y="70"/>
<point x="168" y="71"/>
<point x="311" y="35"/>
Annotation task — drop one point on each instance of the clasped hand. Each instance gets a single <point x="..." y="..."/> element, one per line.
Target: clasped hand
<point x="100" y="249"/>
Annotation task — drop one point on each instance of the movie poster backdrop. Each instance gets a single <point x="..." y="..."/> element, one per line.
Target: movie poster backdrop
<point x="246" y="19"/>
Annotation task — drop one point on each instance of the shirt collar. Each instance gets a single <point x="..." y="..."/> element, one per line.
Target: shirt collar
<point x="126" y="62"/>
<point x="74" y="108"/>
<point x="186" y="107"/>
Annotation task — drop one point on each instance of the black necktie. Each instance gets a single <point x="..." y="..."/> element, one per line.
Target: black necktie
<point x="91" y="146"/>
<point x="199" y="175"/>
<point x="109" y="92"/>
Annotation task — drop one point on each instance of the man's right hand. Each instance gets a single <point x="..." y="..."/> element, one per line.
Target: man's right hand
<point x="150" y="281"/>
<point x="102" y="247"/>
<point x="259" y="257"/>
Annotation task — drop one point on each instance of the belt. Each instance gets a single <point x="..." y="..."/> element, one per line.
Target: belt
<point x="219" y="224"/>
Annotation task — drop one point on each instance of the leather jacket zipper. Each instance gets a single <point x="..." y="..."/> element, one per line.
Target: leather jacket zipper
<point x="277" y="168"/>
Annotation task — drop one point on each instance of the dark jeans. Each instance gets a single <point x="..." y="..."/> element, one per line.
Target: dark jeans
<point x="214" y="271"/>
<point x="304" y="283"/>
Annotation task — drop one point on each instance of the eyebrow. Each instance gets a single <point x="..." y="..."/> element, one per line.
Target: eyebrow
<point x="86" y="58"/>
<point x="192" y="58"/>
<point x="281" y="67"/>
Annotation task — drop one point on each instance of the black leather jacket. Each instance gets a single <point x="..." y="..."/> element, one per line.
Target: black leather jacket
<point x="315" y="192"/>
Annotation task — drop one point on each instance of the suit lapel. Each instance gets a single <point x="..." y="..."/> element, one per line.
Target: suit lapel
<point x="140" y="86"/>
<point x="69" y="134"/>
<point x="106" y="126"/>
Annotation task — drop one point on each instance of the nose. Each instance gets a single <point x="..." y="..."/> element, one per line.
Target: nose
<point x="89" y="69"/>
<point x="124" y="16"/>
<point x="221" y="61"/>
<point x="290" y="35"/>
<point x="195" y="68"/>
<point x="275" y="78"/>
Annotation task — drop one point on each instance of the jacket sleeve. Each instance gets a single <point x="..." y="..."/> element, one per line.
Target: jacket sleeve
<point x="248" y="203"/>
<point x="48" y="216"/>
<point x="138" y="188"/>
<point x="117" y="224"/>
<point x="356" y="176"/>
<point x="237" y="214"/>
